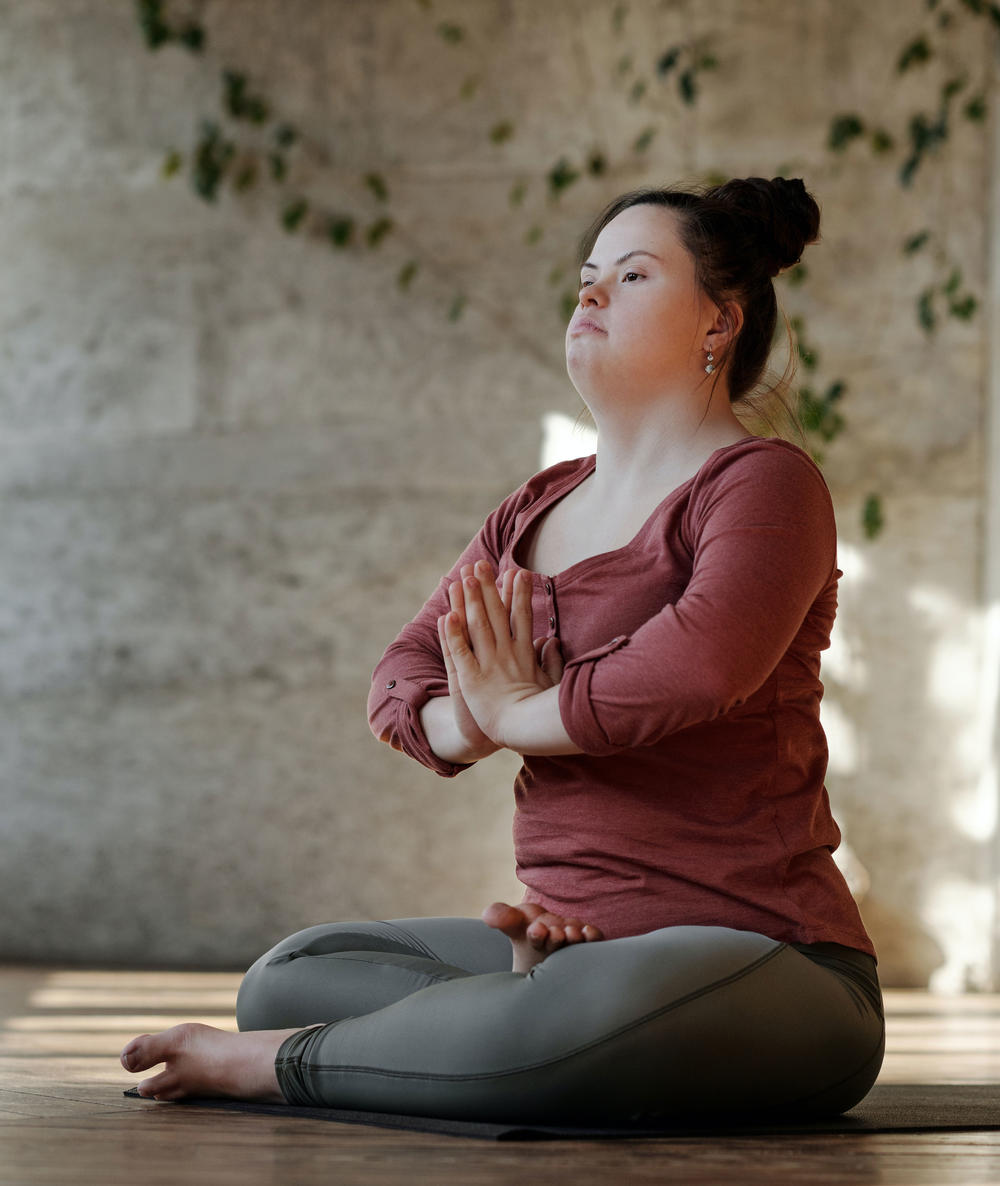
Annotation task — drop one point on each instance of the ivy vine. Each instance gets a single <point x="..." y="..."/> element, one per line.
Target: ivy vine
<point x="217" y="159"/>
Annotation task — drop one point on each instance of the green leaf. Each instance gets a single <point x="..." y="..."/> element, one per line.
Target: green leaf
<point x="975" y="109"/>
<point x="908" y="170"/>
<point x="293" y="214"/>
<point x="193" y="36"/>
<point x="797" y="275"/>
<point x="643" y="140"/>
<point x="285" y="135"/>
<point x="917" y="52"/>
<point x="707" y="62"/>
<point x="501" y="131"/>
<point x="925" y="310"/>
<point x="378" y="231"/>
<point x="952" y="87"/>
<point x="881" y="141"/>
<point x="843" y="130"/>
<point x="954" y="280"/>
<point x="637" y="91"/>
<point x="457" y="306"/>
<point x="277" y="165"/>
<point x="451" y="33"/>
<point x="913" y="244"/>
<point x="532" y="235"/>
<point x="376" y="183"/>
<point x="964" y="309"/>
<point x="339" y="229"/>
<point x="686" y="86"/>
<point x="562" y="175"/>
<point x="872" y="519"/>
<point x="172" y="163"/>
<point x="835" y="391"/>
<point x="976" y="6"/>
<point x="597" y="164"/>
<point x="668" y="61"/>
<point x="994" y="12"/>
<point x="469" y="86"/>
<point x="155" y="29"/>
<point x="406" y="274"/>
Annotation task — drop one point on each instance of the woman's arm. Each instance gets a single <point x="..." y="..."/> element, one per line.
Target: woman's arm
<point x="764" y="540"/>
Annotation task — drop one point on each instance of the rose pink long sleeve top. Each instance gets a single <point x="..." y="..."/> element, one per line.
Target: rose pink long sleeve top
<point x="692" y="686"/>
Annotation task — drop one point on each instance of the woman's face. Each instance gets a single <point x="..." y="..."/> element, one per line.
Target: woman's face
<point x="653" y="318"/>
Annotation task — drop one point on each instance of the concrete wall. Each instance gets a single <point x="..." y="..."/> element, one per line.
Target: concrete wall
<point x="233" y="461"/>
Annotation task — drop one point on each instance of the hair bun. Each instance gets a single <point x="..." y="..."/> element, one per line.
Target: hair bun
<point x="784" y="215"/>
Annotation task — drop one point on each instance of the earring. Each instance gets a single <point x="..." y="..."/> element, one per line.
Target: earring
<point x="709" y="368"/>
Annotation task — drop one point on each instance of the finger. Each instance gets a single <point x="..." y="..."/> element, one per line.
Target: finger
<point x="494" y="607"/>
<point x="520" y="612"/>
<point x="592" y="934"/>
<point x="456" y="598"/>
<point x="449" y="662"/>
<point x="458" y="646"/>
<point x="477" y="623"/>
<point x="507" y="587"/>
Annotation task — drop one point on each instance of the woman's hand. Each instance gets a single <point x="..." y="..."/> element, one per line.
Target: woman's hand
<point x="489" y="653"/>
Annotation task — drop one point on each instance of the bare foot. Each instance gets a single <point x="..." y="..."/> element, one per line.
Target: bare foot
<point x="203" y="1060"/>
<point x="534" y="933"/>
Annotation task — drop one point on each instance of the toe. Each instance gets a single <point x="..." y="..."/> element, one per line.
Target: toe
<point x="504" y="918"/>
<point x="143" y="1052"/>
<point x="159" y="1087"/>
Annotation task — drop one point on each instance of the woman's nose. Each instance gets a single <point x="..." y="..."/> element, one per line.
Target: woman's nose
<point x="590" y="295"/>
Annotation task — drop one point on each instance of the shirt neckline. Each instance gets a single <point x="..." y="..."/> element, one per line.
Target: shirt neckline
<point x="544" y="505"/>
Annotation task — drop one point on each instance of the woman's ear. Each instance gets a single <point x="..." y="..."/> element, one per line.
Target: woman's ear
<point x="727" y="324"/>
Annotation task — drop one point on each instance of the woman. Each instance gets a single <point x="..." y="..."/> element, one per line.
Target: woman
<point x="644" y="626"/>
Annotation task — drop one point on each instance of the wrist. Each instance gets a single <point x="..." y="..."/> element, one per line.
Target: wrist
<point x="437" y="719"/>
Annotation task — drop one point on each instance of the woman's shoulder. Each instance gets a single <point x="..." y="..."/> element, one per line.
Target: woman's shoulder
<point x="755" y="461"/>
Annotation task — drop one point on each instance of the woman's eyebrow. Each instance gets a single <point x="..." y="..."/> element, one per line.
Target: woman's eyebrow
<point x="622" y="259"/>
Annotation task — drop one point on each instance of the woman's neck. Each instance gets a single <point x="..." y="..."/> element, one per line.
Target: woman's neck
<point x="638" y="449"/>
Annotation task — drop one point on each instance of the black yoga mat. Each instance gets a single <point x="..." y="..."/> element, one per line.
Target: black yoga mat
<point x="889" y="1107"/>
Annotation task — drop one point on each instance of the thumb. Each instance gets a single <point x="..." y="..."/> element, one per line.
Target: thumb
<point x="552" y="660"/>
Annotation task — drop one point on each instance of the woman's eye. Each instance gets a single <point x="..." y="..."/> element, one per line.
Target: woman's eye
<point x="586" y="283"/>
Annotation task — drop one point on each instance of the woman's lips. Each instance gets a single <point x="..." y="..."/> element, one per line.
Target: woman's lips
<point x="585" y="325"/>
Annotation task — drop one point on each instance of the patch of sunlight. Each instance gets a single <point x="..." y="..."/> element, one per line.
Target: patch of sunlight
<point x="842" y="737"/>
<point x="843" y="660"/>
<point x="151" y="997"/>
<point x="963" y="685"/>
<point x="960" y="914"/>
<point x="563" y="439"/>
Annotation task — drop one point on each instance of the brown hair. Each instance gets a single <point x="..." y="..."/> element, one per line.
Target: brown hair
<point x="740" y="235"/>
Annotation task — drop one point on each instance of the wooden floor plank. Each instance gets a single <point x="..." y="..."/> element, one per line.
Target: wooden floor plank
<point x="63" y="1119"/>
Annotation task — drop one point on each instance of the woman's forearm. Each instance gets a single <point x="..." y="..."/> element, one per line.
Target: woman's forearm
<point x="437" y="719"/>
<point x="534" y="726"/>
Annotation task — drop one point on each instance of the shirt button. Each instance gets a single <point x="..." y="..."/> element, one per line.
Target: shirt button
<point x="548" y="588"/>
<point x="552" y="623"/>
<point x="390" y="685"/>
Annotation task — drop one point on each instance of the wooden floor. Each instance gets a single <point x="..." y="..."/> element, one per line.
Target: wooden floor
<point x="63" y="1119"/>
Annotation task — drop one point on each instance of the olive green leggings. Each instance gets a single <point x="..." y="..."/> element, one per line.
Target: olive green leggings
<point x="424" y="1017"/>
